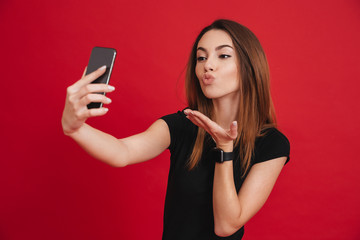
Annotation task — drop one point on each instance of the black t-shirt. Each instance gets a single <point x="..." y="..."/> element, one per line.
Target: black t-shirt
<point x="188" y="213"/>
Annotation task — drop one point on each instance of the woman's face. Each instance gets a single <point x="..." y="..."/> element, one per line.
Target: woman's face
<point x="217" y="65"/>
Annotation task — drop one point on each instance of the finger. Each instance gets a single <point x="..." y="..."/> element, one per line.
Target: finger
<point x="210" y="125"/>
<point x="197" y="114"/>
<point x="200" y="124"/>
<point x="94" y="88"/>
<point x="206" y="123"/>
<point x="93" y="112"/>
<point x="197" y="122"/>
<point x="94" y="98"/>
<point x="84" y="72"/>
<point x="233" y="130"/>
<point x="202" y="117"/>
<point x="187" y="111"/>
<point x="213" y="128"/>
<point x="90" y="77"/>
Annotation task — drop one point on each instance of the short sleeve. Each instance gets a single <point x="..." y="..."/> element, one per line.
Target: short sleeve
<point x="175" y="123"/>
<point x="272" y="145"/>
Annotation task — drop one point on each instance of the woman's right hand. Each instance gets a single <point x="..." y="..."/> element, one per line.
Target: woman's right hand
<point x="78" y="96"/>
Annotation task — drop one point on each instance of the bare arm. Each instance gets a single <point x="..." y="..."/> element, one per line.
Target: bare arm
<point x="232" y="210"/>
<point x="122" y="152"/>
<point x="113" y="151"/>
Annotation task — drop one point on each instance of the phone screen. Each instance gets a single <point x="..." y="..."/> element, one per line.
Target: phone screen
<point x="99" y="57"/>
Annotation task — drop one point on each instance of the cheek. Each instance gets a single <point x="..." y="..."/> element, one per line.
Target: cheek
<point x="233" y="76"/>
<point x="197" y="71"/>
<point x="232" y="71"/>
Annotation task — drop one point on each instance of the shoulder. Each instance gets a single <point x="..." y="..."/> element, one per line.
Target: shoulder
<point x="180" y="127"/>
<point x="272" y="134"/>
<point x="177" y="117"/>
<point x="272" y="144"/>
<point x="176" y="121"/>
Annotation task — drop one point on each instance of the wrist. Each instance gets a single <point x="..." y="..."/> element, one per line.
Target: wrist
<point x="72" y="132"/>
<point x="229" y="147"/>
<point x="221" y="156"/>
<point x="69" y="133"/>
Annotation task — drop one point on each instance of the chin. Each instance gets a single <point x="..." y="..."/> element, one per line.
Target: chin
<point x="215" y="94"/>
<point x="211" y="95"/>
<point x="209" y="92"/>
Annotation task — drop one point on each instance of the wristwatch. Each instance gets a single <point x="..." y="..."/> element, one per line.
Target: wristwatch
<point x="221" y="156"/>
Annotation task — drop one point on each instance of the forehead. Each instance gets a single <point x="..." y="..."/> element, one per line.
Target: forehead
<point x="214" y="38"/>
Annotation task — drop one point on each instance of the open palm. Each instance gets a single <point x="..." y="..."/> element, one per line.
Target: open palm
<point x="221" y="136"/>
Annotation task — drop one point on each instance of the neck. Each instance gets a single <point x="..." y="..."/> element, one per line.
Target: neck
<point x="226" y="110"/>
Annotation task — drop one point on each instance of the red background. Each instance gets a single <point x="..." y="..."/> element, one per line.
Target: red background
<point x="51" y="189"/>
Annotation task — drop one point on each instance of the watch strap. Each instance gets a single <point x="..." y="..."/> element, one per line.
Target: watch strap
<point x="222" y="156"/>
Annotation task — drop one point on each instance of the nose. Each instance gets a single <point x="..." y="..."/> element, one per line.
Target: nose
<point x="209" y="65"/>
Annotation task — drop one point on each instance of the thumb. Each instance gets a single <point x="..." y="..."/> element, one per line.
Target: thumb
<point x="84" y="72"/>
<point x="233" y="130"/>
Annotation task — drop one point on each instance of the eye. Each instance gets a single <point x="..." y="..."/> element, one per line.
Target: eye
<point x="224" y="56"/>
<point x="199" y="59"/>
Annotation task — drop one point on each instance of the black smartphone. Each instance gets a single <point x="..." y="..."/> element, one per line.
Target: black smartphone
<point x="99" y="57"/>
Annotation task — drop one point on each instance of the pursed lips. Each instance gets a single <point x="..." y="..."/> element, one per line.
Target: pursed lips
<point x="208" y="79"/>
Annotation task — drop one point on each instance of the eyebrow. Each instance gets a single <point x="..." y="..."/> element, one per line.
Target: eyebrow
<point x="216" y="49"/>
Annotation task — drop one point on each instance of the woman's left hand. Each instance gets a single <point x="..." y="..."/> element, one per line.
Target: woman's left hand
<point x="224" y="138"/>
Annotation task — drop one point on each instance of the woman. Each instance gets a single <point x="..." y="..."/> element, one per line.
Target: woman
<point x="226" y="152"/>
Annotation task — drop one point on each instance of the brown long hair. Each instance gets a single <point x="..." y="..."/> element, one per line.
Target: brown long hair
<point x="256" y="111"/>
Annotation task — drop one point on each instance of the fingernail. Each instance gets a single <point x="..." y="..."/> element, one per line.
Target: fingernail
<point x="106" y="109"/>
<point x="111" y="88"/>
<point x="234" y="123"/>
<point x="108" y="100"/>
<point x="102" y="68"/>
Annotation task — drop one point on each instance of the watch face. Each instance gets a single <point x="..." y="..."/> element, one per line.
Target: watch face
<point x="218" y="155"/>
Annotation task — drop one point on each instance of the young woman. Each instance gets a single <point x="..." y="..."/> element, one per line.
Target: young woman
<point x="226" y="152"/>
